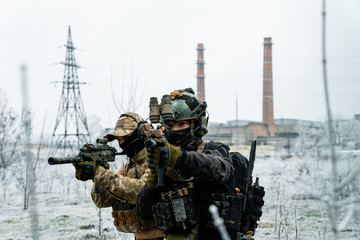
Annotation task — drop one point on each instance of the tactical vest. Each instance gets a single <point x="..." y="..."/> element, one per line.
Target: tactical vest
<point x="126" y="219"/>
<point x="185" y="207"/>
<point x="224" y="196"/>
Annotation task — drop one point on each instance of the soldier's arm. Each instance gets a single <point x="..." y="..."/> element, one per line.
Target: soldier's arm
<point x="119" y="186"/>
<point x="210" y="166"/>
<point x="100" y="196"/>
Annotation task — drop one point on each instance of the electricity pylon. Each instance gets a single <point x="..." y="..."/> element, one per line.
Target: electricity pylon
<point x="71" y="113"/>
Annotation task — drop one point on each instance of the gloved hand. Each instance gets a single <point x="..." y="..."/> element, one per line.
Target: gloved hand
<point x="85" y="170"/>
<point x="151" y="179"/>
<point x="161" y="153"/>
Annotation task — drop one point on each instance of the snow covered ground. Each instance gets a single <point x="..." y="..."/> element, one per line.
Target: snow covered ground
<point x="65" y="209"/>
<point x="290" y="212"/>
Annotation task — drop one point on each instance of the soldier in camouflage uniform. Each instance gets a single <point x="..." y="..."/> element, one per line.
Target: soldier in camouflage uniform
<point x="120" y="189"/>
<point x="197" y="173"/>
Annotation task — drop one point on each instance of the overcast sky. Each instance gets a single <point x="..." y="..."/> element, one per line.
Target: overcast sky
<point x="154" y="43"/>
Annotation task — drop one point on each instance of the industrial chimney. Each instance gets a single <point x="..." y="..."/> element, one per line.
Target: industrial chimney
<point x="200" y="73"/>
<point x="268" y="103"/>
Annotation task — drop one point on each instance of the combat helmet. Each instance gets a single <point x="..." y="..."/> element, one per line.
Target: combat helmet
<point x="186" y="106"/>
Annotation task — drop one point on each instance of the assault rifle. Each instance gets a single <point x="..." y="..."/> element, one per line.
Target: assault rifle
<point x="253" y="199"/>
<point x="101" y="152"/>
<point x="250" y="171"/>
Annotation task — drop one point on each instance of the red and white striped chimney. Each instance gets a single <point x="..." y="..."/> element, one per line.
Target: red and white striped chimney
<point x="268" y="103"/>
<point x="200" y="72"/>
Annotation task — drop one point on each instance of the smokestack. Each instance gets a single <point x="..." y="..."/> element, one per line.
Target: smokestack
<point x="268" y="104"/>
<point x="200" y="72"/>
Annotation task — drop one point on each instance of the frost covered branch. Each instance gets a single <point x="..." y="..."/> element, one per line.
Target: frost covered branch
<point x="131" y="90"/>
<point x="347" y="180"/>
<point x="347" y="201"/>
<point x="346" y="219"/>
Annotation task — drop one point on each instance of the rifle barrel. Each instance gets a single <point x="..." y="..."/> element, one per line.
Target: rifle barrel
<point x="63" y="160"/>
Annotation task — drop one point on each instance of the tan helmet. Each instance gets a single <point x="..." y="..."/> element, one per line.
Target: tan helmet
<point x="125" y="125"/>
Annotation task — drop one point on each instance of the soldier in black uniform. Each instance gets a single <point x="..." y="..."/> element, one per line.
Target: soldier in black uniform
<point x="197" y="174"/>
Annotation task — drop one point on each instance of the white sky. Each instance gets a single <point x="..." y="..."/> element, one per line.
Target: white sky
<point x="156" y="41"/>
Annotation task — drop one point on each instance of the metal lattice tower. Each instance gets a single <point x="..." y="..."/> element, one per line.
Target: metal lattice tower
<point x="71" y="113"/>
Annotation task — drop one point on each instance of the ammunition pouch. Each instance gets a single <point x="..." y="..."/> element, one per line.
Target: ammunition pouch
<point x="176" y="210"/>
<point x="126" y="220"/>
<point x="230" y="210"/>
<point x="253" y="210"/>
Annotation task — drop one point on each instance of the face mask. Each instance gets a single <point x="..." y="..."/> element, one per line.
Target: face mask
<point x="179" y="137"/>
<point x="132" y="145"/>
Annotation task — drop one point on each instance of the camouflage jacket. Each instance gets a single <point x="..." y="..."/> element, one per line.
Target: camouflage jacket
<point x="110" y="189"/>
<point x="121" y="185"/>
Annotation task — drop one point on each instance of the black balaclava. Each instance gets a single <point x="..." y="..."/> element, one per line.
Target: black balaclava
<point x="179" y="137"/>
<point x="184" y="138"/>
<point x="132" y="145"/>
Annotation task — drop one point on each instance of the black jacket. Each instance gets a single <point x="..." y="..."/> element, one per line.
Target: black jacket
<point x="212" y="172"/>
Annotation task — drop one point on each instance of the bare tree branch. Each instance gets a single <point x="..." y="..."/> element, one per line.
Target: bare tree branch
<point x="347" y="218"/>
<point x="39" y="145"/>
<point x="349" y="179"/>
<point x="347" y="201"/>
<point x="114" y="98"/>
<point x="132" y="100"/>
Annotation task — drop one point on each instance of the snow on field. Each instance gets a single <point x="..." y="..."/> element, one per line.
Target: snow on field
<point x="65" y="209"/>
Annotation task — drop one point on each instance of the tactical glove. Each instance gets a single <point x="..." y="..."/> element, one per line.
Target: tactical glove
<point x="152" y="179"/>
<point x="161" y="153"/>
<point x="85" y="170"/>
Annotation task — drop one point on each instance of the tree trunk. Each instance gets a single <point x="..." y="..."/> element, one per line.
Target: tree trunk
<point x="26" y="204"/>
<point x="101" y="234"/>
<point x="4" y="194"/>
